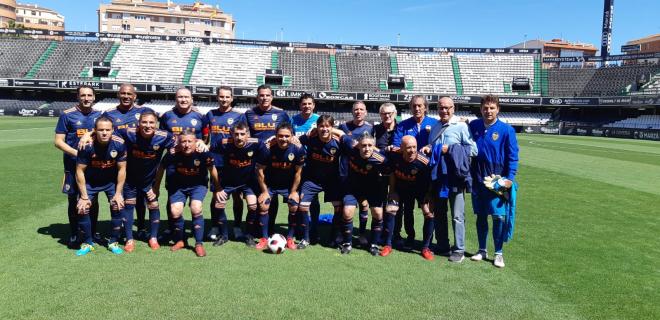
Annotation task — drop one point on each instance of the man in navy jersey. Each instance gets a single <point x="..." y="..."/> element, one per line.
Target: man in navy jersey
<point x="72" y="124"/>
<point x="497" y="156"/>
<point x="145" y="146"/>
<point x="184" y="116"/>
<point x="187" y="180"/>
<point x="238" y="176"/>
<point x="303" y="123"/>
<point x="356" y="128"/>
<point x="419" y="126"/>
<point x="409" y="182"/>
<point x="101" y="167"/>
<point x="320" y="172"/>
<point x="365" y="166"/>
<point x="126" y="115"/>
<point x="262" y="121"/>
<point x="279" y="171"/>
<point x="384" y="135"/>
<point x="217" y="125"/>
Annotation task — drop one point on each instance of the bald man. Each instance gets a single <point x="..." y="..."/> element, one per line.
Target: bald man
<point x="409" y="182"/>
<point x="450" y="138"/>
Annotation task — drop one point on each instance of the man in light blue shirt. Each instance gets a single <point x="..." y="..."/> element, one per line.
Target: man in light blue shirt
<point x="305" y="121"/>
<point x="450" y="131"/>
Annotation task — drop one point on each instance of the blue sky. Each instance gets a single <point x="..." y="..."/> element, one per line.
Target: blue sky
<point x="445" y="23"/>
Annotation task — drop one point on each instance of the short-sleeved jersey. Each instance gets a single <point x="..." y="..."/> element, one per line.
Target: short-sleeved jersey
<point x="384" y="137"/>
<point x="262" y="124"/>
<point x="219" y="126"/>
<point x="410" y="127"/>
<point x="497" y="150"/>
<point x="322" y="161"/>
<point x="185" y="171"/>
<point x="101" y="161"/>
<point x="353" y="130"/>
<point x="303" y="126"/>
<point x="239" y="163"/>
<point x="73" y="124"/>
<point x="175" y="122"/>
<point x="122" y="120"/>
<point x="412" y="176"/>
<point x="280" y="164"/>
<point x="364" y="173"/>
<point x="144" y="155"/>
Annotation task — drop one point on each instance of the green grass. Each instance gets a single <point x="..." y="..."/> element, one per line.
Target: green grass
<point x="586" y="247"/>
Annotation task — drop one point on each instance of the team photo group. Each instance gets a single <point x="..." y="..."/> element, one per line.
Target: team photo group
<point x="258" y="158"/>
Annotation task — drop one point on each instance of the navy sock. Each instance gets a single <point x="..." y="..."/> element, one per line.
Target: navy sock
<point x="364" y="216"/>
<point x="272" y="213"/>
<point x="177" y="226"/>
<point x="428" y="232"/>
<point x="263" y="225"/>
<point x="238" y="213"/>
<point x="303" y="224"/>
<point x="251" y="223"/>
<point x="198" y="228"/>
<point x="72" y="212"/>
<point x="154" y="218"/>
<point x="389" y="228"/>
<point x="220" y="221"/>
<point x="116" y="221"/>
<point x="347" y="230"/>
<point x="94" y="214"/>
<point x="85" y="225"/>
<point x="376" y="231"/>
<point x="127" y="216"/>
<point x="292" y="225"/>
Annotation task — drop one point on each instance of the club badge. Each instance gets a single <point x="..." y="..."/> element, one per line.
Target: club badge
<point x="67" y="187"/>
<point x="290" y="156"/>
<point x="137" y="116"/>
<point x="333" y="151"/>
<point x="113" y="154"/>
<point x="193" y="122"/>
<point x="230" y="121"/>
<point x="428" y="128"/>
<point x="250" y="153"/>
<point x="156" y="147"/>
<point x="413" y="171"/>
<point x="274" y="117"/>
<point x="369" y="167"/>
<point x="495" y="136"/>
<point x="78" y="123"/>
<point x="197" y="162"/>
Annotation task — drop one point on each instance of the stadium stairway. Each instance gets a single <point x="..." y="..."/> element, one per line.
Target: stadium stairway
<point x="44" y="56"/>
<point x="191" y="65"/>
<point x="536" y="89"/>
<point x="394" y="64"/>
<point x="457" y="75"/>
<point x="274" y="60"/>
<point x="333" y="72"/>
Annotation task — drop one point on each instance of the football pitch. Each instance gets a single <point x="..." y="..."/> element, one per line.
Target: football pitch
<point x="587" y="246"/>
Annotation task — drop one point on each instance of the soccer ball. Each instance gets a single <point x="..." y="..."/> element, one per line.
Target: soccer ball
<point x="277" y="243"/>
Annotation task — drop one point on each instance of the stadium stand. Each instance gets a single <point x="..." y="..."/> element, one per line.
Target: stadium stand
<point x="231" y="65"/>
<point x="309" y="70"/>
<point x="653" y="86"/>
<point x="481" y="74"/>
<point x="641" y="122"/>
<point x="525" y="118"/>
<point x="17" y="56"/>
<point x="428" y="72"/>
<point x="362" y="71"/>
<point x="163" y="62"/>
<point x="610" y="81"/>
<point x="69" y="59"/>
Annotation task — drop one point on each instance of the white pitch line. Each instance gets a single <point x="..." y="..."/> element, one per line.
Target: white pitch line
<point x="22" y="129"/>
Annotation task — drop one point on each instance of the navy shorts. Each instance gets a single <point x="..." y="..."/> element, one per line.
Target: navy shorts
<point x="93" y="191"/>
<point x="310" y="189"/>
<point x="417" y="195"/>
<point x="133" y="192"/>
<point x="374" y="196"/>
<point x="245" y="189"/>
<point x="183" y="194"/>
